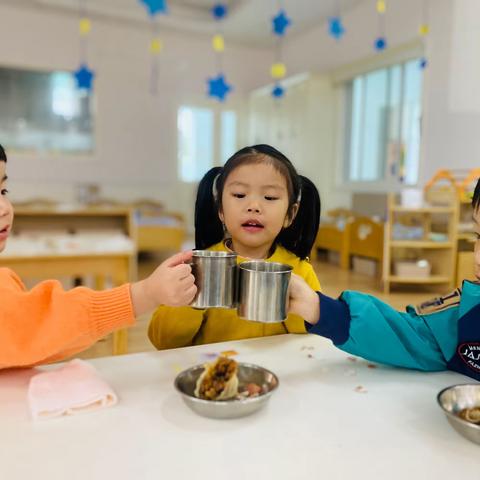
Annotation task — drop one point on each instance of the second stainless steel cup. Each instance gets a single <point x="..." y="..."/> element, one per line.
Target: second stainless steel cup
<point x="263" y="289"/>
<point x="215" y="278"/>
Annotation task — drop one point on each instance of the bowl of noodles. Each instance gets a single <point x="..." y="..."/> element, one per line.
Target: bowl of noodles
<point x="225" y="388"/>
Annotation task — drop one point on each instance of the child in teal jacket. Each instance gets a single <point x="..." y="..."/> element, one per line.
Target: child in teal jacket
<point x="443" y="333"/>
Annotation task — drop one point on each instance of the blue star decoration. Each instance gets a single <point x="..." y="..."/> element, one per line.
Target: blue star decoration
<point x="336" y="28"/>
<point x="278" y="91"/>
<point x="380" y="44"/>
<point x="423" y="63"/>
<point x="218" y="87"/>
<point x="219" y="11"/>
<point x="155" y="6"/>
<point x="84" y="77"/>
<point x="280" y="23"/>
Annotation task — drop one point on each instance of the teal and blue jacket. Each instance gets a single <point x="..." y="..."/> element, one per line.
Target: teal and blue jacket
<point x="440" y="334"/>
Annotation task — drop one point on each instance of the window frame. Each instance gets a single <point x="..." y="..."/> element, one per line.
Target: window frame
<point x="217" y="110"/>
<point x="49" y="153"/>
<point x="340" y="78"/>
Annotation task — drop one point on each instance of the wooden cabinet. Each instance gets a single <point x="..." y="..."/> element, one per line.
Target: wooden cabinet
<point x="436" y="243"/>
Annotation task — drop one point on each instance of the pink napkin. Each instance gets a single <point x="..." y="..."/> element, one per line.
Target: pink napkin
<point x="73" y="388"/>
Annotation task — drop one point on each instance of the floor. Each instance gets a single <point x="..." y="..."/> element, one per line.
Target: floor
<point x="333" y="281"/>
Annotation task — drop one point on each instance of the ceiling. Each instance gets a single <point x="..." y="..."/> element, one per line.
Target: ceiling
<point x="249" y="21"/>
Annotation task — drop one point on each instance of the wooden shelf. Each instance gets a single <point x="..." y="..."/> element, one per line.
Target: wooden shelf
<point x="420" y="244"/>
<point x="401" y="209"/>
<point x="433" y="279"/>
<point x="469" y="237"/>
<point x="441" y="255"/>
<point x="74" y="210"/>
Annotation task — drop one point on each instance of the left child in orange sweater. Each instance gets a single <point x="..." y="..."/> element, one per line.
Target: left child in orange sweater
<point x="48" y="323"/>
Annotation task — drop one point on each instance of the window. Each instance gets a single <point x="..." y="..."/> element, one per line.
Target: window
<point x="383" y="125"/>
<point x="203" y="135"/>
<point x="44" y="112"/>
<point x="228" y="135"/>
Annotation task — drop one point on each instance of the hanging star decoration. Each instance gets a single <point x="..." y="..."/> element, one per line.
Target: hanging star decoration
<point x="336" y="28"/>
<point x="218" y="43"/>
<point x="278" y="71"/>
<point x="278" y="91"/>
<point x="424" y="30"/>
<point x="156" y="46"/>
<point x="218" y="87"/>
<point x="380" y="43"/>
<point x="219" y="11"/>
<point x="381" y="6"/>
<point x="85" y="26"/>
<point x="280" y="23"/>
<point x="84" y="77"/>
<point x="155" y="6"/>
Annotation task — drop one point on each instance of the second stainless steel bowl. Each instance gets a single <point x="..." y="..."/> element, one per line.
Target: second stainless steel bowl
<point x="454" y="399"/>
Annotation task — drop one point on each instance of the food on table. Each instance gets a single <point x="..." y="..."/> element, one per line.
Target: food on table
<point x="219" y="380"/>
<point x="251" y="390"/>
<point x="471" y="415"/>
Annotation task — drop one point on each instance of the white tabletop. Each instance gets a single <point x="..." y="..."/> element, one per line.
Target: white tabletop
<point x="316" y="425"/>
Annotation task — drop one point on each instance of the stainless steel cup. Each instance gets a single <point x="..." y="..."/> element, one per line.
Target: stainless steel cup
<point x="263" y="289"/>
<point x="215" y="278"/>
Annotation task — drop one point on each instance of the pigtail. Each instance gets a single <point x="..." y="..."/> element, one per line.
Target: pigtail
<point x="3" y="155"/>
<point x="476" y="197"/>
<point x="300" y="236"/>
<point x="208" y="227"/>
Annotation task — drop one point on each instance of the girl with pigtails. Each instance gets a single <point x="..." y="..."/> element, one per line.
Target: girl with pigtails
<point x="259" y="207"/>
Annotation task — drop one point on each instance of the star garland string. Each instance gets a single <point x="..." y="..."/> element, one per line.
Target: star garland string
<point x="154" y="9"/>
<point x="380" y="43"/>
<point x="217" y="86"/>
<point x="278" y="71"/>
<point x="83" y="75"/>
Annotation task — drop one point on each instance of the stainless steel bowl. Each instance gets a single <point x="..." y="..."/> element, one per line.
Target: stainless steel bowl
<point x="454" y="399"/>
<point x="247" y="373"/>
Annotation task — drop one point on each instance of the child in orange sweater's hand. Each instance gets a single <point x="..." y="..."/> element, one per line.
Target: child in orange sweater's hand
<point x="48" y="323"/>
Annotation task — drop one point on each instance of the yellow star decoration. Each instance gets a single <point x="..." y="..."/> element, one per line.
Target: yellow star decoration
<point x="278" y="70"/>
<point x="218" y="43"/>
<point x="424" y="30"/>
<point x="85" y="26"/>
<point x="381" y="6"/>
<point x="156" y="46"/>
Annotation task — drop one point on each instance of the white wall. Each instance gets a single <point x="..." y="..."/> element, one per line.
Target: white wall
<point x="452" y="116"/>
<point x="135" y="132"/>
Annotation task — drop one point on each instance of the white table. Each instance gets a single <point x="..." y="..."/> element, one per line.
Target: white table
<point x="315" y="427"/>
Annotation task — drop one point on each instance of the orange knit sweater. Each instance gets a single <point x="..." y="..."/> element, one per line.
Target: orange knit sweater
<point x="48" y="323"/>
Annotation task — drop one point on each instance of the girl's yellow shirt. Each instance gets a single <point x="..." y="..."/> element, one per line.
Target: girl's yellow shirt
<point x="173" y="327"/>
